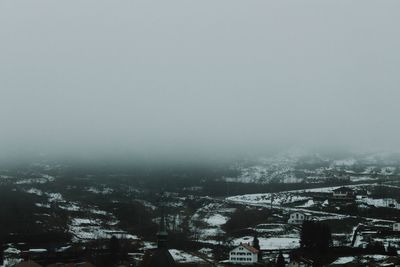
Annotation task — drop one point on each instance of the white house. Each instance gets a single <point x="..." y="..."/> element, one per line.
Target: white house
<point x="243" y="254"/>
<point x="298" y="218"/>
<point x="343" y="193"/>
<point x="396" y="226"/>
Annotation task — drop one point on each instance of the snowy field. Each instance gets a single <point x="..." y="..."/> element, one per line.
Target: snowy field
<point x="272" y="243"/>
<point x="207" y="221"/>
<point x="379" y="203"/>
<point x="185" y="257"/>
<point x="277" y="198"/>
<point x="84" y="229"/>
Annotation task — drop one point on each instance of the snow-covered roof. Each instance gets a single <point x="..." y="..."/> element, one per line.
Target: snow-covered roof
<point x="38" y="250"/>
<point x="343" y="260"/>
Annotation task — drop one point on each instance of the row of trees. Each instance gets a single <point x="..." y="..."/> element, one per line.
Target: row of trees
<point x="315" y="236"/>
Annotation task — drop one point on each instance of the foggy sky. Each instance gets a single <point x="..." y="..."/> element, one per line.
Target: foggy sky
<point x="198" y="77"/>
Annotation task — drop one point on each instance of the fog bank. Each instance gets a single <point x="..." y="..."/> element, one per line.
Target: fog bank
<point x="183" y="79"/>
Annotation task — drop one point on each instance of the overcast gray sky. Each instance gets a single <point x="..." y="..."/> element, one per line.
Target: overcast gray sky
<point x="198" y="76"/>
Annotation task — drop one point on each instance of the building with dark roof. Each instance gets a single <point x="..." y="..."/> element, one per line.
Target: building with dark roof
<point x="159" y="257"/>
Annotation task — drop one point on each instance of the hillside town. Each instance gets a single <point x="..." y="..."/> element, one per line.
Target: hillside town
<point x="208" y="133"/>
<point x="353" y="224"/>
<point x="315" y="248"/>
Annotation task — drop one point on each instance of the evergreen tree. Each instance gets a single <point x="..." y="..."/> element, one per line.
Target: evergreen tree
<point x="114" y="249"/>
<point x="256" y="242"/>
<point x="280" y="261"/>
<point x="256" y="245"/>
<point x="391" y="250"/>
<point x="376" y="247"/>
<point x="1" y="254"/>
<point x="315" y="236"/>
<point x="306" y="234"/>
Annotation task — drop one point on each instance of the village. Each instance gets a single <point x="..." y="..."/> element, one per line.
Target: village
<point x="253" y="229"/>
<point x="100" y="219"/>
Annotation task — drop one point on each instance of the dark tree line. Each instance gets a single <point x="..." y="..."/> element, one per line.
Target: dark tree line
<point x="243" y="218"/>
<point x="315" y="236"/>
<point x="280" y="261"/>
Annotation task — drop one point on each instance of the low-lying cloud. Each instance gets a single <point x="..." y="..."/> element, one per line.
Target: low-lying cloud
<point x="185" y="79"/>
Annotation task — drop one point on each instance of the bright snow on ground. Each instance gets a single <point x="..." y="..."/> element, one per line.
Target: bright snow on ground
<point x="360" y="179"/>
<point x="147" y="204"/>
<point x="70" y="207"/>
<point x="213" y="215"/>
<point x="99" y="212"/>
<point x="38" y="250"/>
<point x="61" y="249"/>
<point x="216" y="220"/>
<point x="184" y="257"/>
<point x="392" y="241"/>
<point x="344" y="260"/>
<point x="278" y="171"/>
<point x="325" y="189"/>
<point x="55" y="197"/>
<point x="210" y="232"/>
<point x="308" y="204"/>
<point x="370" y="258"/>
<point x="206" y="252"/>
<point x="149" y="245"/>
<point x="388" y="170"/>
<point x="345" y="162"/>
<point x="12" y="250"/>
<point x="40" y="180"/>
<point x="41" y="205"/>
<point x="10" y="262"/>
<point x="277" y="198"/>
<point x="271" y="243"/>
<point x="90" y="229"/>
<point x="268" y="228"/>
<point x="385" y="202"/>
<point x="35" y="191"/>
<point x="83" y="228"/>
<point x="103" y="191"/>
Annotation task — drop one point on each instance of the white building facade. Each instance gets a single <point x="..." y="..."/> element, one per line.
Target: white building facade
<point x="243" y="254"/>
<point x="298" y="218"/>
<point x="343" y="193"/>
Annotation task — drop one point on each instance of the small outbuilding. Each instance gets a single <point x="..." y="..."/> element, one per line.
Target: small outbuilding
<point x="343" y="193"/>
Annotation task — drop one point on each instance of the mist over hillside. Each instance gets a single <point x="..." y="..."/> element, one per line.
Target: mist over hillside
<point x="183" y="133"/>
